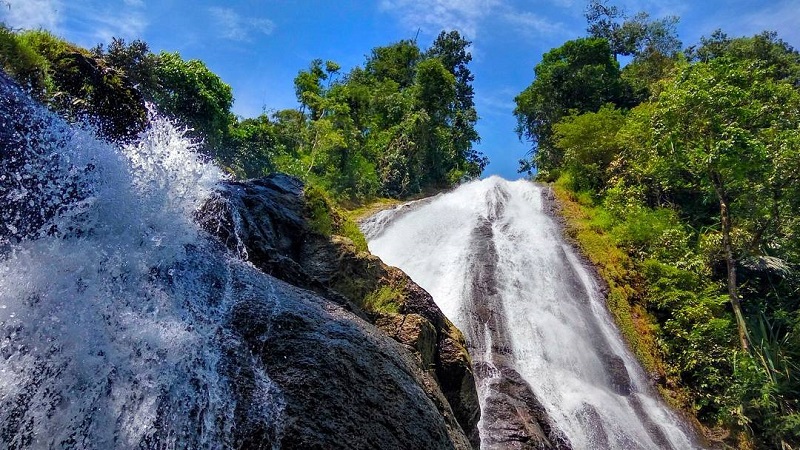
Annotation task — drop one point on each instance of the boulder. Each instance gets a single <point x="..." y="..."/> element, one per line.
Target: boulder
<point x="266" y="222"/>
<point x="340" y="382"/>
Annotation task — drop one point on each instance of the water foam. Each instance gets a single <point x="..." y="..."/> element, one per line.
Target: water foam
<point x="112" y="301"/>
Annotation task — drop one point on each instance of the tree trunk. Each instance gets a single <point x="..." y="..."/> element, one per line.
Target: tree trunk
<point x="733" y="290"/>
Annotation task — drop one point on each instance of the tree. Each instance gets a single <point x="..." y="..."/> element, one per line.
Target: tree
<point x="581" y="75"/>
<point x="195" y="96"/>
<point x="781" y="61"/>
<point x="253" y="147"/>
<point x="135" y="60"/>
<point x="731" y="131"/>
<point x="308" y="86"/>
<point x="451" y="49"/>
<point x="74" y="82"/>
<point x="395" y="62"/>
<point x="636" y="36"/>
<point x="435" y="92"/>
<point x="589" y="144"/>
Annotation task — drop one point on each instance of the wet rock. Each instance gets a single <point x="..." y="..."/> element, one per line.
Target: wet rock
<point x="265" y="221"/>
<point x="618" y="374"/>
<point x="342" y="383"/>
<point x="414" y="331"/>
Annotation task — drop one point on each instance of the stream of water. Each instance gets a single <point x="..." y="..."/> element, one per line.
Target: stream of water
<point x="497" y="266"/>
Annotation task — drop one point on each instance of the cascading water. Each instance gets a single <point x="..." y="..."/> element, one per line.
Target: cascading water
<point x="112" y="300"/>
<point x="534" y="319"/>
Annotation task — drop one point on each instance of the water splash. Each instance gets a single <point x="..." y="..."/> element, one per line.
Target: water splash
<point x="528" y="302"/>
<point x="112" y="301"/>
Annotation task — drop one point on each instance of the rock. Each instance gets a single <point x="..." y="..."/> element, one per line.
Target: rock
<point x="519" y="421"/>
<point x="414" y="331"/>
<point x="454" y="371"/>
<point x="265" y="222"/>
<point x="343" y="384"/>
<point x="618" y="374"/>
<point x="296" y="370"/>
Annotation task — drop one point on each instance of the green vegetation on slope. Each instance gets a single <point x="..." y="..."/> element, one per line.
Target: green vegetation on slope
<point x="400" y="125"/>
<point x="679" y="176"/>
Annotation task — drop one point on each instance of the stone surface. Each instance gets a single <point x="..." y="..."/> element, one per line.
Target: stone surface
<point x="343" y="384"/>
<point x="264" y="222"/>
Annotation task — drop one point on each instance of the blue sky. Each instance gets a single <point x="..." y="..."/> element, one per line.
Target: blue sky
<point x="259" y="46"/>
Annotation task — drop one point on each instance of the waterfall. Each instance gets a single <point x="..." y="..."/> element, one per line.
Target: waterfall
<point x="112" y="300"/>
<point x="533" y="316"/>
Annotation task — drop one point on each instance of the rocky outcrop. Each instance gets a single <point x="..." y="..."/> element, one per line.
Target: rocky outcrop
<point x="266" y="221"/>
<point x="341" y="382"/>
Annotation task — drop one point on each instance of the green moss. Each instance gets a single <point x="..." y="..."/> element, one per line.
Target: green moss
<point x="355" y="287"/>
<point x="385" y="299"/>
<point x="590" y="227"/>
<point x="349" y="229"/>
<point x="319" y="210"/>
<point x="359" y="212"/>
<point x="22" y="62"/>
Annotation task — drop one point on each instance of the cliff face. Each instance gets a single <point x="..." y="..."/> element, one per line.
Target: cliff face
<point x="265" y="221"/>
<point x="313" y="344"/>
<point x="343" y="384"/>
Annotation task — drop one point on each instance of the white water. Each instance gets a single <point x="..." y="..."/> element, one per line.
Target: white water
<point x="560" y="333"/>
<point x="112" y="312"/>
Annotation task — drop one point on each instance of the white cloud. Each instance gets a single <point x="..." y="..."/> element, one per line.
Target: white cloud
<point x="496" y="102"/>
<point x="782" y="17"/>
<point x="531" y="24"/>
<point x="129" y="26"/>
<point x="237" y="28"/>
<point x="99" y="21"/>
<point x="469" y="16"/>
<point x="31" y="14"/>
<point x="464" y="16"/>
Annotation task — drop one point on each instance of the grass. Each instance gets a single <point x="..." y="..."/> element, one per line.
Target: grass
<point x="363" y="211"/>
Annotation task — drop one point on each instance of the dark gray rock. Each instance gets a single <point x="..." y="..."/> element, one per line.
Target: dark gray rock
<point x="264" y="221"/>
<point x="344" y="383"/>
<point x="618" y="374"/>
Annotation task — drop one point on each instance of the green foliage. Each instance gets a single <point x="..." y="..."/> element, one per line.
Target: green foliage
<point x="253" y="148"/>
<point x="394" y="63"/>
<point x="20" y="60"/>
<point x="325" y="218"/>
<point x="134" y="60"/>
<point x="765" y="50"/>
<point x="319" y="210"/>
<point x="71" y="81"/>
<point x="451" y="49"/>
<point x="195" y="96"/>
<point x="697" y="334"/>
<point x="589" y="145"/>
<point x="688" y="205"/>
<point x="637" y="36"/>
<point x="403" y="123"/>
<point x="580" y="76"/>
